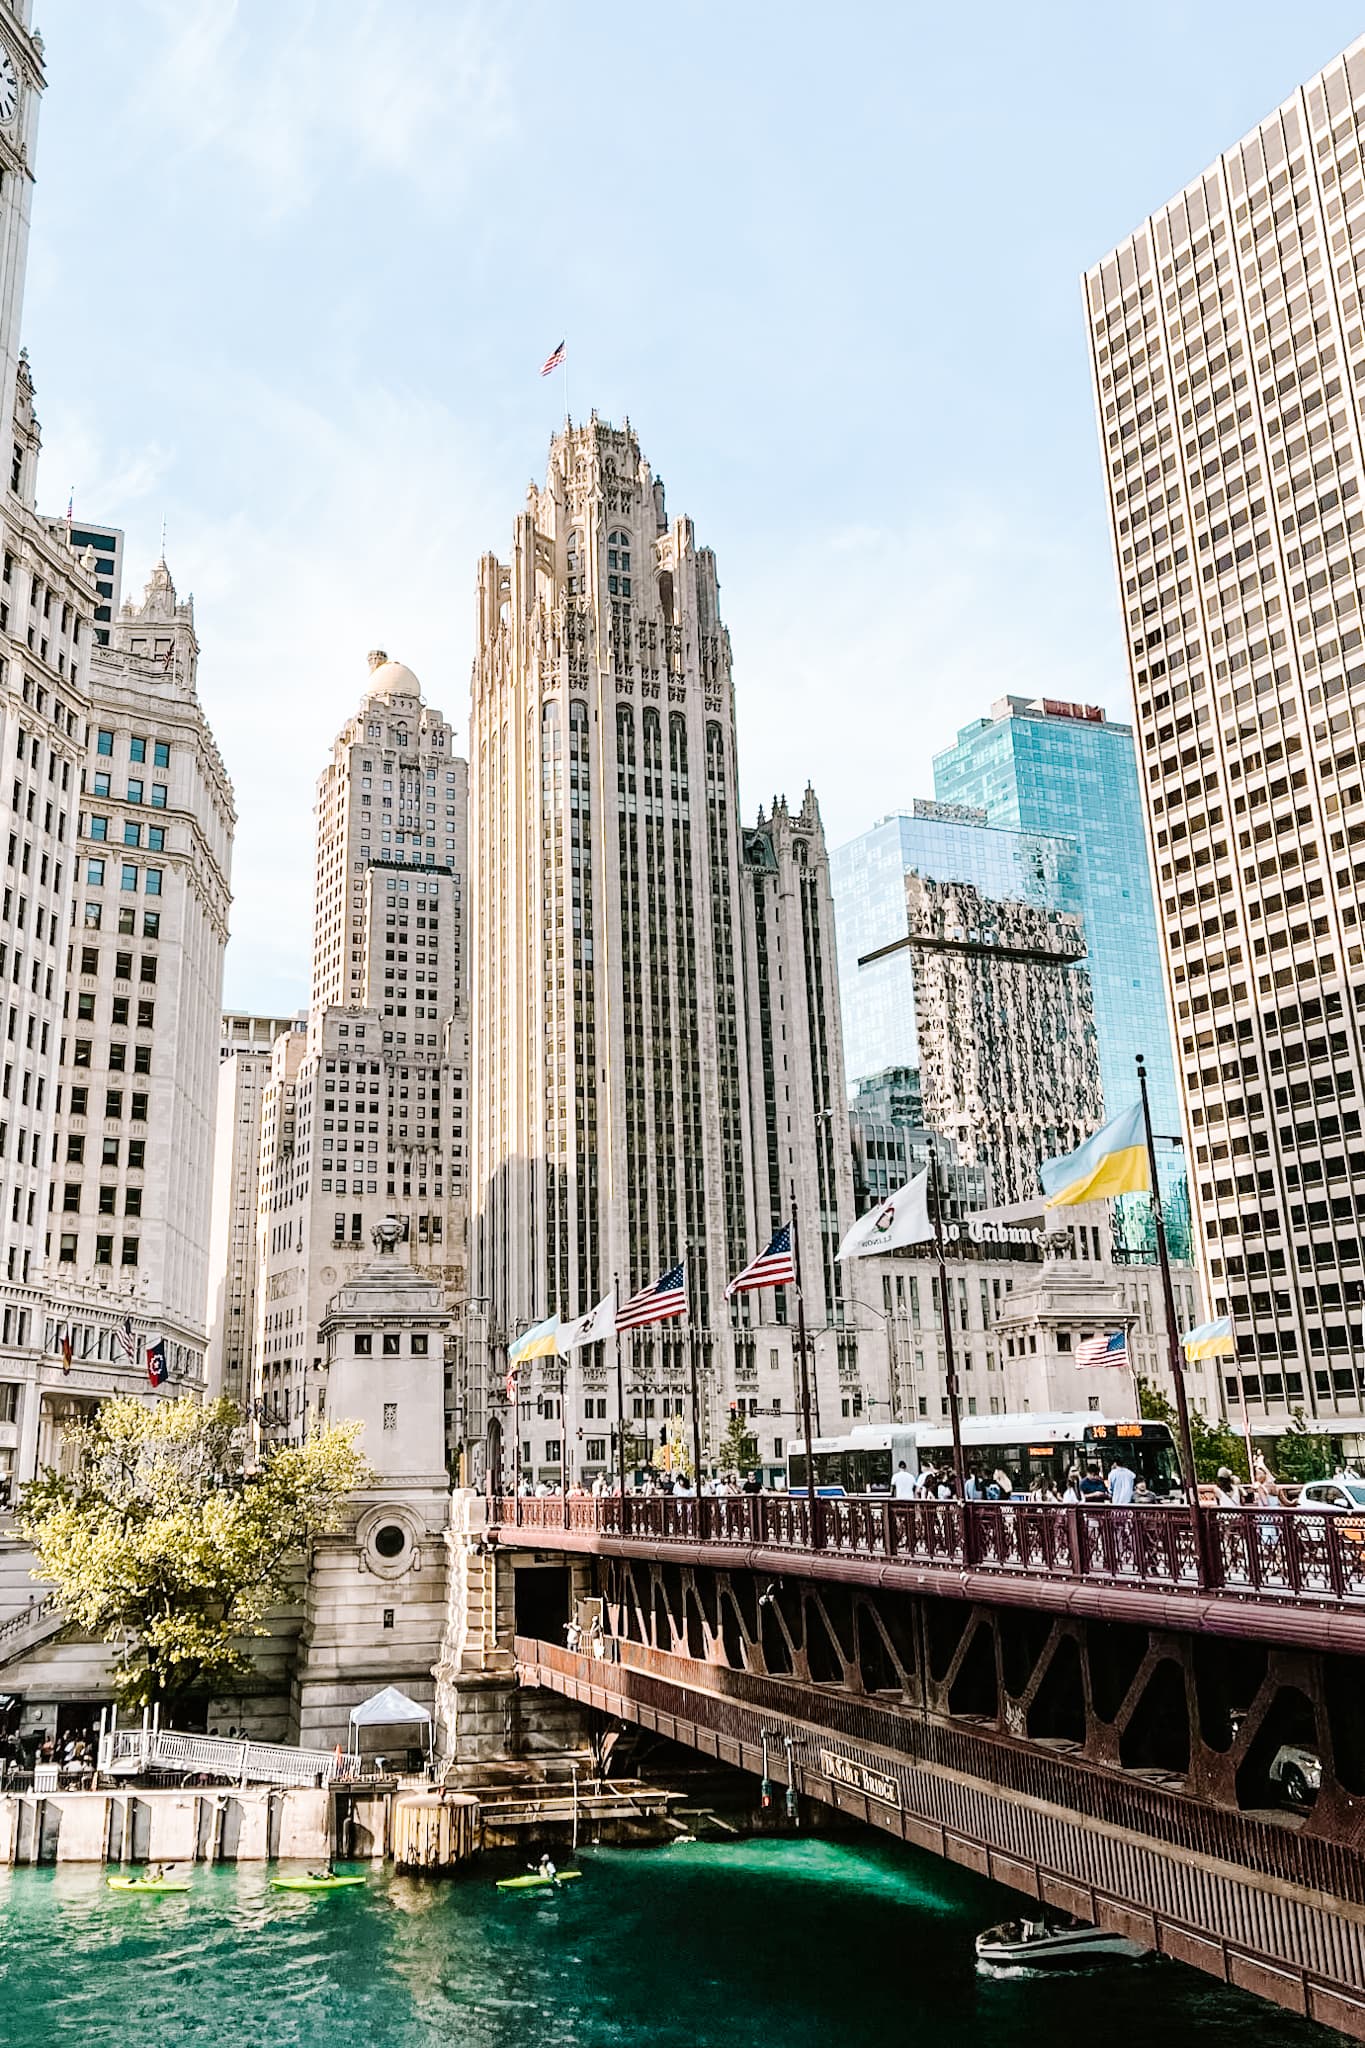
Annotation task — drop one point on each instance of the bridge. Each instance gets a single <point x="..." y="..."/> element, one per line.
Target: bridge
<point x="1119" y="1711"/>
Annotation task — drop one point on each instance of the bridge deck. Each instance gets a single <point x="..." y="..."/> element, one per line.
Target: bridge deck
<point x="1277" y="1574"/>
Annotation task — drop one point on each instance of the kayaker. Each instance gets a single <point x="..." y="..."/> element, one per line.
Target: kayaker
<point x="546" y="1869"/>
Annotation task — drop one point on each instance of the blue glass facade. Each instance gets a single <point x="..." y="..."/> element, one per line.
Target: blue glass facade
<point x="1046" y="771"/>
<point x="868" y="880"/>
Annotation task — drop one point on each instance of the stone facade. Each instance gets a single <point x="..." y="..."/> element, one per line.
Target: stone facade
<point x="622" y="1113"/>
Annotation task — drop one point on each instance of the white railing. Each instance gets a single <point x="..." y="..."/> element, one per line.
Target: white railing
<point x="246" y="1763"/>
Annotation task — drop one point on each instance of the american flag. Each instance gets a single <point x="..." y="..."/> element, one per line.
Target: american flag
<point x="657" y="1304"/>
<point x="553" y="360"/>
<point x="128" y="1340"/>
<point x="511" y="1383"/>
<point x="775" y="1268"/>
<point x="1110" y="1348"/>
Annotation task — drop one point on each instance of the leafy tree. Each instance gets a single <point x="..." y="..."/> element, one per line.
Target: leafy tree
<point x="1301" y="1455"/>
<point x="679" y="1447"/>
<point x="1215" y="1443"/>
<point x="157" y="1542"/>
<point x="738" y="1448"/>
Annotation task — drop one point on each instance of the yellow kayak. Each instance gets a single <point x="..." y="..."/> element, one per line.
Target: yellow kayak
<point x="148" y="1884"/>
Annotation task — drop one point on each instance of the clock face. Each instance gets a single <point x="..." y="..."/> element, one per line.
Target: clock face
<point x="9" y="88"/>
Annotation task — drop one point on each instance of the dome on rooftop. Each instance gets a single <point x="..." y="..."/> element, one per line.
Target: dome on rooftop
<point x="390" y="678"/>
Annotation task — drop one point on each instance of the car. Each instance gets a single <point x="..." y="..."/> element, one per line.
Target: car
<point x="1297" y="1772"/>
<point x="1343" y="1496"/>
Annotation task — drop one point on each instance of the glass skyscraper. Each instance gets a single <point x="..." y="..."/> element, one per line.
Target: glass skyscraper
<point x="1066" y="769"/>
<point x="950" y="843"/>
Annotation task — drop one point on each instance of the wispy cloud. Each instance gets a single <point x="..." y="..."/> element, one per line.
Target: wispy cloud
<point x="332" y="89"/>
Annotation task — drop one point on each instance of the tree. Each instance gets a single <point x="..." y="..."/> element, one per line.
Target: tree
<point x="1215" y="1443"/>
<point x="157" y="1542"/>
<point x="1301" y="1455"/>
<point x="738" y="1448"/>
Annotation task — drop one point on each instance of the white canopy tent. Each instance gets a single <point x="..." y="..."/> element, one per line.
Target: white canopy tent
<point x="389" y="1709"/>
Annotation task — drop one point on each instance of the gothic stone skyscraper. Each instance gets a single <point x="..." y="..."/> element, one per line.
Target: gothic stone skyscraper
<point x="1228" y="350"/>
<point x="613" y="955"/>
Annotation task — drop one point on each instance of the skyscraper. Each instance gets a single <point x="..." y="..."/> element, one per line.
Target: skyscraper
<point x="950" y="843"/>
<point x="1045" y="766"/>
<point x="621" y="925"/>
<point x="1227" y="347"/>
<point x="363" y="1117"/>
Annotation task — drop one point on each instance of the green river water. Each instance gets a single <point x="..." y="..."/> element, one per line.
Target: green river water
<point x="795" y="1943"/>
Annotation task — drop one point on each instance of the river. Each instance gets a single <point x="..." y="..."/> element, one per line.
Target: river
<point x="795" y="1943"/>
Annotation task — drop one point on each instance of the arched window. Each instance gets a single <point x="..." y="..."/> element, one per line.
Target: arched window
<point x="618" y="563"/>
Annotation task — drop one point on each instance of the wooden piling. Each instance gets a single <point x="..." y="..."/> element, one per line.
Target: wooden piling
<point x="434" y="1833"/>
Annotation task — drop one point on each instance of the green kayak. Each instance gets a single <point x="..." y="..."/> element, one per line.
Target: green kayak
<point x="148" y="1884"/>
<point x="311" y="1883"/>
<point x="535" y="1882"/>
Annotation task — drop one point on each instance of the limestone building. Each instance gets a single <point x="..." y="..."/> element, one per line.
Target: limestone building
<point x="1228" y="346"/>
<point x="621" y="923"/>
<point x="362" y="1117"/>
<point x="247" y="1045"/>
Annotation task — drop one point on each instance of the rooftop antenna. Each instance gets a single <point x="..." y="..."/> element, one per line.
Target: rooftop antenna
<point x="163" y="536"/>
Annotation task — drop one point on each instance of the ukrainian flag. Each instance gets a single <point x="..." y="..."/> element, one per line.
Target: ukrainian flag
<point x="1211" y="1340"/>
<point x="1112" y="1162"/>
<point x="541" y="1341"/>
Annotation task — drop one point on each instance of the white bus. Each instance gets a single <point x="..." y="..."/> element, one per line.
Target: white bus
<point x="1029" y="1448"/>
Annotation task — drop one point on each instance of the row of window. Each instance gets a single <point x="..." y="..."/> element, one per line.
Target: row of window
<point x="156" y="797"/>
<point x="151" y="886"/>
<point x="97" y="828"/>
<point x="127" y="923"/>
<point x="137" y="748"/>
<point x="129" y="1254"/>
<point x="390" y="1343"/>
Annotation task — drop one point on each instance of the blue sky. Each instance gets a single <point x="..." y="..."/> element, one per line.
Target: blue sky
<point x="295" y="265"/>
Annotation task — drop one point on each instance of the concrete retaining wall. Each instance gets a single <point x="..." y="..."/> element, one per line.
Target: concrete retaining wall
<point x="182" y="1826"/>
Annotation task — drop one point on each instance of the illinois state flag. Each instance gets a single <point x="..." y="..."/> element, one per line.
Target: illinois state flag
<point x="157" y="1370"/>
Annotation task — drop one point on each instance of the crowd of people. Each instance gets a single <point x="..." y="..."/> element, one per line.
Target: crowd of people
<point x="75" y="1753"/>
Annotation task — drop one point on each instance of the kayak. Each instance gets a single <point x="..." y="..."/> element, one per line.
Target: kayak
<point x="535" y="1882"/>
<point x="147" y="1884"/>
<point x="314" y="1884"/>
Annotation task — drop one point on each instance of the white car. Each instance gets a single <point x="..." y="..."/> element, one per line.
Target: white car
<point x="1343" y="1496"/>
<point x="1297" y="1772"/>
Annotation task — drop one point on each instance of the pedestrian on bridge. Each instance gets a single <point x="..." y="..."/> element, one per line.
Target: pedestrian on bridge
<point x="1122" y="1482"/>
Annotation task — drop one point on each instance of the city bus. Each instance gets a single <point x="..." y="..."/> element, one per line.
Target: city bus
<point x="1029" y="1448"/>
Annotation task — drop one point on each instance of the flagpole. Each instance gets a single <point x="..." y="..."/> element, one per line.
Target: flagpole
<point x="1242" y="1397"/>
<point x="620" y="1400"/>
<point x="805" y="1375"/>
<point x="1176" y="1350"/>
<point x="949" y="1353"/>
<point x="696" y="1385"/>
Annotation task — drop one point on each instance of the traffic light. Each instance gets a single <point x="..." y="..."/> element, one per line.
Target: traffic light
<point x="734" y="1411"/>
<point x="663" y="1434"/>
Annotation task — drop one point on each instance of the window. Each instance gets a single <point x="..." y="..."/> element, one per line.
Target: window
<point x="127" y="921"/>
<point x="118" y="1010"/>
<point x="118" y="1056"/>
<point x="94" y="873"/>
<point x="106" y="1202"/>
<point x="390" y="1344"/>
<point x="132" y="834"/>
<point x="105" y="742"/>
<point x="153" y="882"/>
<point x="146" y="1016"/>
<point x="90" y="960"/>
<point x="113" y="1101"/>
<point x="364" y="1344"/>
<point x="93" y="912"/>
<point x="102" y="784"/>
<point x="66" y="1256"/>
<point x="419" y="1344"/>
<point x="132" y="1202"/>
<point x="137" y="749"/>
<point x="137" y="1147"/>
<point x="104" y="1251"/>
<point x="142" y="1059"/>
<point x="151" y="924"/>
<point x="391" y="1540"/>
<point x="98" y="828"/>
<point x="161" y="754"/>
<point x="148" y="968"/>
<point x="139" y="1115"/>
<point x="129" y="880"/>
<point x="79" y="1099"/>
<point x="85" y="1007"/>
<point x="130" y="1251"/>
<point x="109" y="1153"/>
<point x="158" y="796"/>
<point x="75" y="1151"/>
<point x="156" y="838"/>
<point x="71" y="1195"/>
<point x="134" y="790"/>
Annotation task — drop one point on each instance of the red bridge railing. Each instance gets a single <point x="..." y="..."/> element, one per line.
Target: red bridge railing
<point x="1271" y="1554"/>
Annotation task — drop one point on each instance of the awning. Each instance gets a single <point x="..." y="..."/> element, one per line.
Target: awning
<point x="388" y="1709"/>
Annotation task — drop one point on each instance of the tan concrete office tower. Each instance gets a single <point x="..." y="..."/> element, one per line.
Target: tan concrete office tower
<point x="1228" y="350"/>
<point x="613" y="1117"/>
<point x="363" y="1118"/>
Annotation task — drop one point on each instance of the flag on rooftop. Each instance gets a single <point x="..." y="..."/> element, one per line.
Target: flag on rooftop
<point x="1113" y="1161"/>
<point x="657" y="1304"/>
<point x="774" y="1268"/>
<point x="597" y="1323"/>
<point x="553" y="360"/>
<point x="903" y="1218"/>
<point x="537" y="1342"/>
<point x="1210" y="1340"/>
<point x="1109" y="1348"/>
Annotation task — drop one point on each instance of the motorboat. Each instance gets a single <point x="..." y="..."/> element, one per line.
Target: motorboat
<point x="1052" y="1942"/>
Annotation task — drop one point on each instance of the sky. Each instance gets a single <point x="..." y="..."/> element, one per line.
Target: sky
<point x="295" y="267"/>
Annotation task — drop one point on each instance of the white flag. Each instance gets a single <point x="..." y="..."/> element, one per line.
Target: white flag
<point x="903" y="1218"/>
<point x="598" y="1322"/>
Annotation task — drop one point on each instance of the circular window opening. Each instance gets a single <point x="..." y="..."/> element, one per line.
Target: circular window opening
<point x="390" y="1541"/>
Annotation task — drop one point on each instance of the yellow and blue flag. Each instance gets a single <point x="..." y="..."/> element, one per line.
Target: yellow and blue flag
<point x="1112" y="1162"/>
<point x="1210" y="1340"/>
<point x="541" y="1341"/>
